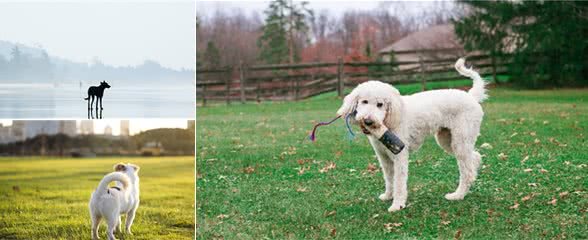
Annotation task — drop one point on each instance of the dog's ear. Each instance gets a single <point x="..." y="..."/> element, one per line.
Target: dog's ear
<point x="120" y="167"/>
<point x="394" y="110"/>
<point x="134" y="167"/>
<point x="349" y="103"/>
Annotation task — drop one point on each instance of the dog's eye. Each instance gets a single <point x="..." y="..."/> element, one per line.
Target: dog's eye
<point x="380" y="104"/>
<point x="364" y="101"/>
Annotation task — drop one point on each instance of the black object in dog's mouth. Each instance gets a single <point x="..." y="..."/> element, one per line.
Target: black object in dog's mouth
<point x="364" y="130"/>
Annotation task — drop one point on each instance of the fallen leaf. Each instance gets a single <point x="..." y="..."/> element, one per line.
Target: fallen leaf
<point x="537" y="141"/>
<point x="514" y="134"/>
<point x="375" y="216"/>
<point x="515" y="206"/>
<point x="333" y="232"/>
<point x="486" y="146"/>
<point x="445" y="222"/>
<point x="329" y="166"/>
<point x="525" y="159"/>
<point x="222" y="216"/>
<point x="543" y="171"/>
<point x="533" y="134"/>
<point x="552" y="202"/>
<point x="563" y="194"/>
<point x="457" y="234"/>
<point x="527" y="198"/>
<point x="301" y="189"/>
<point x="528" y="170"/>
<point x="249" y="170"/>
<point x="532" y="184"/>
<point x="502" y="156"/>
<point x="545" y="122"/>
<point x="302" y="170"/>
<point x="331" y="213"/>
<point x="391" y="226"/>
<point x="372" y="168"/>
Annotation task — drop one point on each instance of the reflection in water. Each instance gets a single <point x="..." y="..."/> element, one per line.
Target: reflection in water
<point x="67" y="101"/>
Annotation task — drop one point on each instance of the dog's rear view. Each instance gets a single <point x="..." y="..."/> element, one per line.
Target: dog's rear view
<point x="110" y="202"/>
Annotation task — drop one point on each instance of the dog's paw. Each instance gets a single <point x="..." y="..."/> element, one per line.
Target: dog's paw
<point x="395" y="207"/>
<point x="454" y="196"/>
<point x="385" y="196"/>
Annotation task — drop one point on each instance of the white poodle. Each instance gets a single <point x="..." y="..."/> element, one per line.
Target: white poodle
<point x="453" y="116"/>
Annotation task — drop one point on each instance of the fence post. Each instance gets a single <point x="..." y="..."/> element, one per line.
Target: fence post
<point x="203" y="93"/>
<point x="340" y="83"/>
<point x="258" y="90"/>
<point x="228" y="82"/>
<point x="242" y="81"/>
<point x="423" y="80"/>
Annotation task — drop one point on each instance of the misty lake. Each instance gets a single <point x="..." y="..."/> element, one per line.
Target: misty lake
<point x="61" y="101"/>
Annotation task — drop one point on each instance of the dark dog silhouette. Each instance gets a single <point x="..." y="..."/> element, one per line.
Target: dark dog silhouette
<point x="98" y="92"/>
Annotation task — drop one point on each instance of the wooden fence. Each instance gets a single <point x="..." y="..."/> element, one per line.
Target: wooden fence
<point x="299" y="81"/>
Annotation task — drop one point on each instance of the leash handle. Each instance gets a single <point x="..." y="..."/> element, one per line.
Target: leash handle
<point x="312" y="135"/>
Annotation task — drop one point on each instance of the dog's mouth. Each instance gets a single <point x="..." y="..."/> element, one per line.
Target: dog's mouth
<point x="364" y="129"/>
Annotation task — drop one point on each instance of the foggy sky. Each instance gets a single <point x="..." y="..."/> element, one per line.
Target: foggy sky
<point x="118" y="33"/>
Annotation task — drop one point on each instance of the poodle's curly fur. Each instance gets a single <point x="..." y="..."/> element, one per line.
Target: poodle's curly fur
<point x="453" y="116"/>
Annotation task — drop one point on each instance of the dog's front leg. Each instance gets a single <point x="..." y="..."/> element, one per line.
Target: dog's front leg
<point x="400" y="181"/>
<point x="387" y="166"/>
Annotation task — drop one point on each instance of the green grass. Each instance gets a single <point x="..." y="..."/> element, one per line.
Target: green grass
<point x="249" y="185"/>
<point x="52" y="195"/>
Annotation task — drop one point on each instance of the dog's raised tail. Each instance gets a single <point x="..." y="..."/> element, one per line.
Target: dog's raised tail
<point x="478" y="90"/>
<point x="114" y="176"/>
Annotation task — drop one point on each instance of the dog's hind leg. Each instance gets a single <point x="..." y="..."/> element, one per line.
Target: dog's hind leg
<point x="468" y="161"/>
<point x="130" y="218"/>
<point x="95" y="225"/>
<point x="112" y="221"/>
<point x="92" y="103"/>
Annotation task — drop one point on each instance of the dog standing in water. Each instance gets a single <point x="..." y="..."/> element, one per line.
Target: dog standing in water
<point x="110" y="202"/>
<point x="98" y="92"/>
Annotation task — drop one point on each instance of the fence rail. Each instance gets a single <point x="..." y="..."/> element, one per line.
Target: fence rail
<point x="299" y="81"/>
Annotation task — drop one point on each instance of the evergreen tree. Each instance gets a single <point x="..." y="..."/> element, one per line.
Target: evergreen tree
<point x="547" y="39"/>
<point x="285" y="21"/>
<point x="211" y="56"/>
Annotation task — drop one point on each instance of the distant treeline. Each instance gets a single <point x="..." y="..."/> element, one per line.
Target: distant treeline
<point x="173" y="141"/>
<point x="22" y="64"/>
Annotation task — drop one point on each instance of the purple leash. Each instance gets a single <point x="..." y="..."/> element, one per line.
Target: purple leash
<point x="312" y="134"/>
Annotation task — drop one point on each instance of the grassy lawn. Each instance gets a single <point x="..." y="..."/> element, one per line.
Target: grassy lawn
<point x="258" y="175"/>
<point x="47" y="198"/>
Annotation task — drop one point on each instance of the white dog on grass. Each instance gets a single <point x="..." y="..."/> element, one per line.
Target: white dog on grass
<point x="110" y="202"/>
<point x="453" y="116"/>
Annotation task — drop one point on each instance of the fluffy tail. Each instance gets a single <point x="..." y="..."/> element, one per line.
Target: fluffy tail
<point x="478" y="90"/>
<point x="114" y="176"/>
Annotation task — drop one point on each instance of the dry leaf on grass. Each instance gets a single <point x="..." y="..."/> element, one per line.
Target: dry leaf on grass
<point x="372" y="168"/>
<point x="528" y="197"/>
<point x="222" y="216"/>
<point x="502" y="156"/>
<point x="532" y="184"/>
<point x="537" y="141"/>
<point x="543" y="170"/>
<point x="391" y="226"/>
<point x="525" y="159"/>
<point x="528" y="170"/>
<point x="445" y="222"/>
<point x="457" y="234"/>
<point x="553" y="201"/>
<point x="563" y="194"/>
<point x="533" y="134"/>
<point x="331" y="213"/>
<point x="515" y="206"/>
<point x="514" y="134"/>
<point x="329" y="166"/>
<point x="486" y="146"/>
<point x="333" y="232"/>
<point x="303" y="169"/>
<point x="249" y="170"/>
<point x="301" y="189"/>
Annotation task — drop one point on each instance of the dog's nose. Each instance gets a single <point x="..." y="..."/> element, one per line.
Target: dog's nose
<point x="368" y="122"/>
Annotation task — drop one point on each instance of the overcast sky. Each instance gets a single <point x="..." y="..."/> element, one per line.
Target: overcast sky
<point x="118" y="33"/>
<point x="334" y="7"/>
